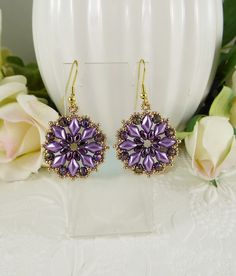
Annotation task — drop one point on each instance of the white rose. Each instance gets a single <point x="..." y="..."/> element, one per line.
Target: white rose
<point x="23" y="124"/>
<point x="212" y="146"/>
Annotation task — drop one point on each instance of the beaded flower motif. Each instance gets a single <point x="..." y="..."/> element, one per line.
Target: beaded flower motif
<point x="146" y="143"/>
<point x="74" y="146"/>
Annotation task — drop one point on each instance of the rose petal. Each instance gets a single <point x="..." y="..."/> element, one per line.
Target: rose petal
<point x="21" y="167"/>
<point x="209" y="145"/>
<point x="10" y="87"/>
<point x="14" y="113"/>
<point x="38" y="111"/>
<point x="11" y="136"/>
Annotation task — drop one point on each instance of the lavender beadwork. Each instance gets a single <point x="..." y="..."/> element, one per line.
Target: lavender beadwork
<point x="146" y="143"/>
<point x="74" y="146"/>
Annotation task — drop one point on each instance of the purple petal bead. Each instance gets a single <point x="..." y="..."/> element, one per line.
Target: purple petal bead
<point x="69" y="156"/>
<point x="88" y="133"/>
<point x="74" y="126"/>
<point x="160" y="128"/>
<point x="162" y="157"/>
<point x="50" y="136"/>
<point x="167" y="142"/>
<point x="152" y="151"/>
<point x="73" y="167"/>
<point x="76" y="155"/>
<point x="64" y="143"/>
<point x="133" y="130"/>
<point x="97" y="157"/>
<point x="69" y="138"/>
<point x="147" y="123"/>
<point x="49" y="156"/>
<point x="138" y="141"/>
<point x="77" y="137"/>
<point x="63" y="122"/>
<point x="124" y="155"/>
<point x="85" y="123"/>
<point x="151" y="135"/>
<point x="93" y="147"/>
<point x="83" y="171"/>
<point x="64" y="150"/>
<point x="123" y="135"/>
<point x="148" y="163"/>
<point x="138" y="148"/>
<point x="155" y="146"/>
<point x="143" y="152"/>
<point x="87" y="161"/>
<point x="53" y="147"/>
<point x="143" y="134"/>
<point x="82" y="151"/>
<point x="59" y="132"/>
<point x="58" y="161"/>
<point x="62" y="171"/>
<point x="157" y="166"/>
<point x="134" y="158"/>
<point x="99" y="137"/>
<point x="127" y="145"/>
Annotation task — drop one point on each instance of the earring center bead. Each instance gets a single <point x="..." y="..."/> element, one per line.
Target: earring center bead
<point x="147" y="143"/>
<point x="73" y="146"/>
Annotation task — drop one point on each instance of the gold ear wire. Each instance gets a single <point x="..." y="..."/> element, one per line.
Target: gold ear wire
<point x="144" y="95"/>
<point x="72" y="99"/>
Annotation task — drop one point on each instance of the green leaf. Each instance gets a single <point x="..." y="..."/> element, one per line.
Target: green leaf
<point x="191" y="123"/>
<point x="15" y="60"/>
<point x="42" y="93"/>
<point x="182" y="134"/>
<point x="30" y="71"/>
<point x="229" y="21"/>
<point x="222" y="103"/>
<point x="227" y="65"/>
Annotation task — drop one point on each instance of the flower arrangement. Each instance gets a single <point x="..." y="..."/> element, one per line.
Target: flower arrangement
<point x="24" y="115"/>
<point x="209" y="136"/>
<point x="26" y="109"/>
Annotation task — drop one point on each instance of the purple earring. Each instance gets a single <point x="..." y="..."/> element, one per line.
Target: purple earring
<point x="146" y="143"/>
<point x="74" y="145"/>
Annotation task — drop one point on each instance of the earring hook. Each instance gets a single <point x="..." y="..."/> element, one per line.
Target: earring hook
<point x="73" y="108"/>
<point x="144" y="95"/>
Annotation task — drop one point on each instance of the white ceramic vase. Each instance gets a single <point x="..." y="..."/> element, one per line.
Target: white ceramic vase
<point x="180" y="39"/>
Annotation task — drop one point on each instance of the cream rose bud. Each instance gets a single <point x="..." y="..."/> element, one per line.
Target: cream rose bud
<point x="23" y="123"/>
<point x="212" y="146"/>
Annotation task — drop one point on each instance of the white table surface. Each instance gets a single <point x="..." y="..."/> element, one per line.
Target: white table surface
<point x="194" y="231"/>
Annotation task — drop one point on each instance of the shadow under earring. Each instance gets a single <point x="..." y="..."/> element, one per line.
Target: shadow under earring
<point x="74" y="145"/>
<point x="146" y="143"/>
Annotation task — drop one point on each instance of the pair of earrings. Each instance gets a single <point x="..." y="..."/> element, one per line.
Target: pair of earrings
<point x="75" y="145"/>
